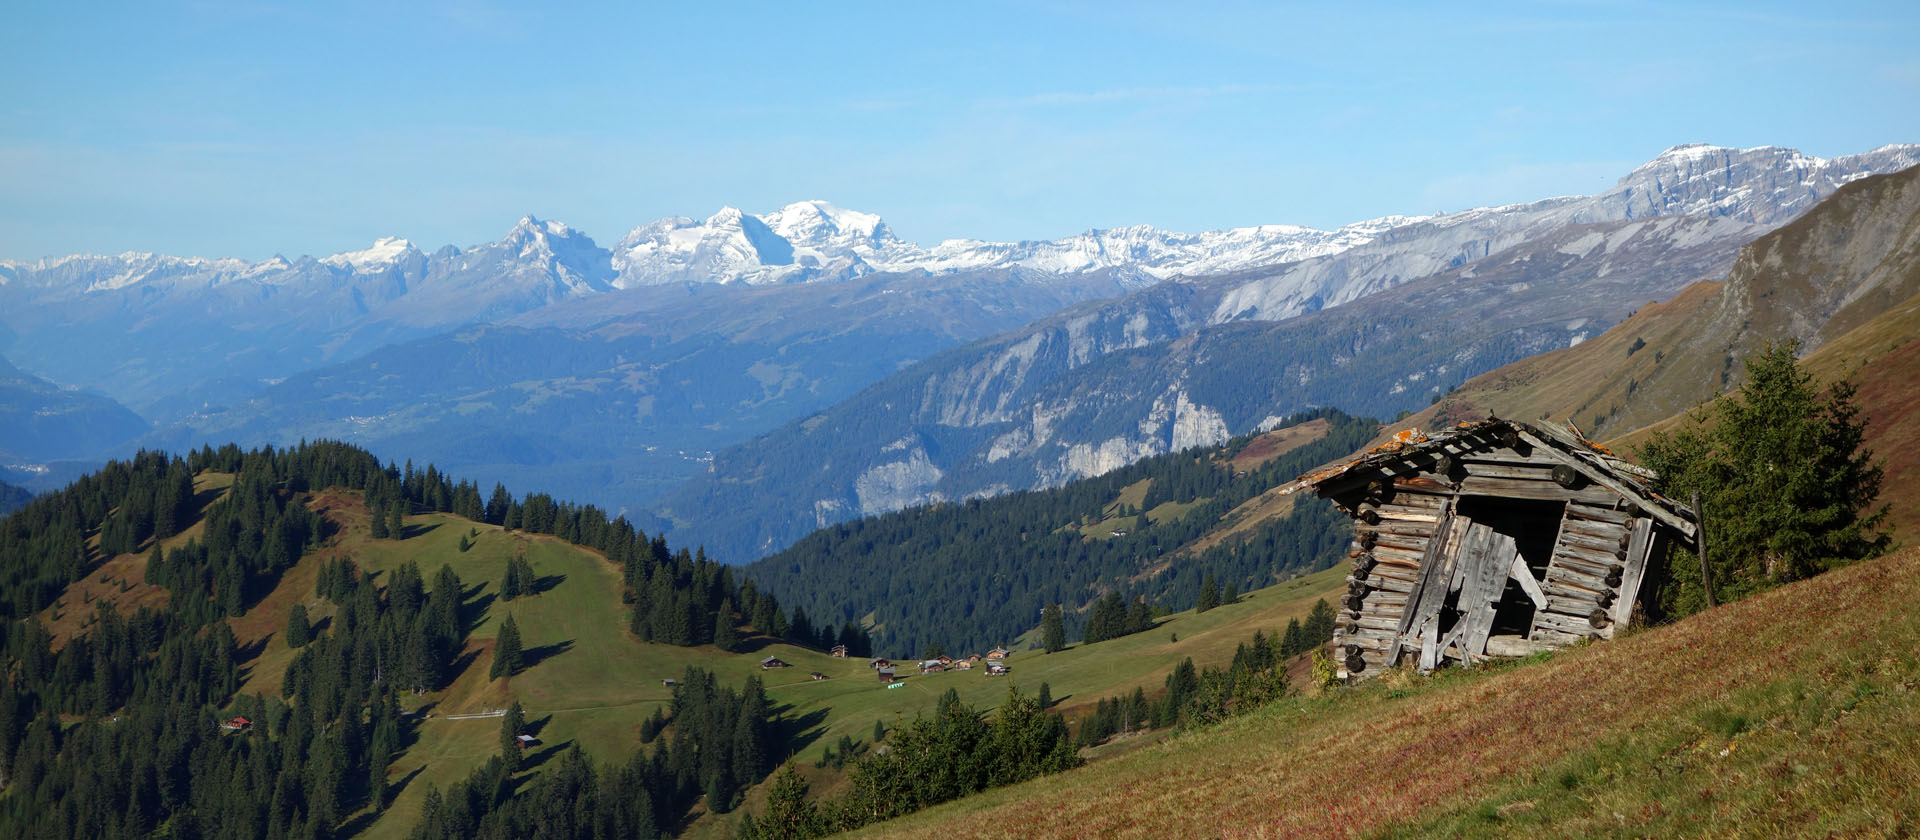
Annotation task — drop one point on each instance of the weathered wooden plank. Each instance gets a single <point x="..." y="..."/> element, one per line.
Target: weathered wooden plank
<point x="1384" y="625"/>
<point x="1528" y="583"/>
<point x="1569" y="606"/>
<point x="1600" y="477"/>
<point x="1639" y="548"/>
<point x="1585" y="567"/>
<point x="1427" y="595"/>
<point x="1429" y="644"/>
<point x="1597" y="529"/>
<point x="1578" y="628"/>
<point x="1531" y="472"/>
<point x="1495" y="566"/>
<point x="1382" y="570"/>
<point x="1468" y="553"/>
<point x="1561" y="575"/>
<point x="1398" y="528"/>
<point x="1554" y="638"/>
<point x="1414" y="503"/>
<point x="1381" y="552"/>
<point x="1382" y="607"/>
<point x="1506" y="645"/>
<point x="1545" y="491"/>
<point x="1387" y="584"/>
<point x="1565" y="589"/>
<point x="1612" y="545"/>
<point x="1406" y="516"/>
<point x="1600" y="514"/>
<point x="1590" y="555"/>
<point x="1505" y="457"/>
<point x="1398" y="542"/>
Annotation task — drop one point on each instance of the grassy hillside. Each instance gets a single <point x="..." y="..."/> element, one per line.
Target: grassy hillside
<point x="590" y="682"/>
<point x="1736" y="722"/>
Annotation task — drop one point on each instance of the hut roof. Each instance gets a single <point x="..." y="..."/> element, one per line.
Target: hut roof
<point x="1563" y="443"/>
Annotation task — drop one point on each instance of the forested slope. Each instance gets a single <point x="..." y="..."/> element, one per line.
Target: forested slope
<point x="972" y="575"/>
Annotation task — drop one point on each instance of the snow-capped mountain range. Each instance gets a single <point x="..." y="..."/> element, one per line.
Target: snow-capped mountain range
<point x="813" y="241"/>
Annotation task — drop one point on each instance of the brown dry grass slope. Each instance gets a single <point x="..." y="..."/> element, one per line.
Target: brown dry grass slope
<point x="1791" y="713"/>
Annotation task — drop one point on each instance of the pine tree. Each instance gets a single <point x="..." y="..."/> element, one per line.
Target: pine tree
<point x="1787" y="485"/>
<point x="1209" y="595"/>
<point x="790" y="815"/>
<point x="510" y="584"/>
<point x="377" y="518"/>
<point x="1232" y="595"/>
<point x="396" y="527"/>
<point x="1318" y="628"/>
<point x="725" y="636"/>
<point x="1046" y="697"/>
<point x="1295" y="640"/>
<point x="299" y="629"/>
<point x="1053" y="631"/>
<point x="512" y="725"/>
<point x="506" y="650"/>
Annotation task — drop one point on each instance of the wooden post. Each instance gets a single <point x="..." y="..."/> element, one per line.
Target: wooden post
<point x="1700" y="547"/>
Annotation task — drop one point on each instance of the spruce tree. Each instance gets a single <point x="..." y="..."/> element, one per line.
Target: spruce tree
<point x="1318" y="628"/>
<point x="511" y="726"/>
<point x="1787" y="484"/>
<point x="1053" y="631"/>
<point x="506" y="650"/>
<point x="1294" y="642"/>
<point x="396" y="528"/>
<point x="1209" y="595"/>
<point x="377" y="519"/>
<point x="299" y="629"/>
<point x="725" y="636"/>
<point x="511" y="586"/>
<point x="790" y="814"/>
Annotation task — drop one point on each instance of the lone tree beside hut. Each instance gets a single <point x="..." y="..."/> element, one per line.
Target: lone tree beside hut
<point x="1786" y="484"/>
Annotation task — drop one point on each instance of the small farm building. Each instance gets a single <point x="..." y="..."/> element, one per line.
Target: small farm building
<point x="1497" y="538"/>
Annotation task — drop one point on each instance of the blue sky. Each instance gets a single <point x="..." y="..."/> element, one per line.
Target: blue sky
<point x="248" y="129"/>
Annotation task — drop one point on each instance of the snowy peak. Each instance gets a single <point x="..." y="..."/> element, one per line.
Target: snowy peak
<point x="814" y="240"/>
<point x="386" y="252"/>
<point x="567" y="257"/>
<point x="1761" y="185"/>
<point x="824" y="227"/>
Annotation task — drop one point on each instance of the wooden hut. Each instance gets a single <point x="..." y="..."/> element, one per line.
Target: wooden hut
<point x="1497" y="538"/>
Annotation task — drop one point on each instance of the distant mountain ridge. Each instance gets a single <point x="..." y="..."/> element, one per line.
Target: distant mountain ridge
<point x="1376" y="329"/>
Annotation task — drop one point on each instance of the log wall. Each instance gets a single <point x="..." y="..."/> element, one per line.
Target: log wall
<point x="1406" y="543"/>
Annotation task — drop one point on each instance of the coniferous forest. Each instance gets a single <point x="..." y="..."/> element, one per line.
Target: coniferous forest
<point x="971" y="575"/>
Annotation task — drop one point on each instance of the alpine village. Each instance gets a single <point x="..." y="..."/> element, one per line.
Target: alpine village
<point x="1574" y="510"/>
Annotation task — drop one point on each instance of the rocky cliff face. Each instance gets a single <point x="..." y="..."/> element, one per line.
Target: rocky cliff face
<point x="1378" y="328"/>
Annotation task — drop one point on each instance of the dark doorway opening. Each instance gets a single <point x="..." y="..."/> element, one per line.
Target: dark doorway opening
<point x="1534" y="526"/>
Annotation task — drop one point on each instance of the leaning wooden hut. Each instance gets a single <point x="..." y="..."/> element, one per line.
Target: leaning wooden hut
<point x="1497" y="538"/>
